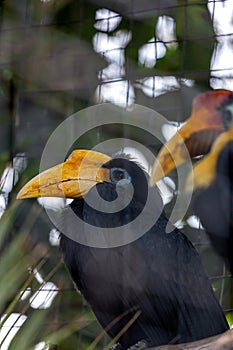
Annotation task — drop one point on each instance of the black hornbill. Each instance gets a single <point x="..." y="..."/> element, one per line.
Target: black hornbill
<point x="155" y="288"/>
<point x="208" y="129"/>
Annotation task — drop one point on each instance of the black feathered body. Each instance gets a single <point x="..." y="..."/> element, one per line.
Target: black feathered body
<point x="214" y="206"/>
<point x="160" y="275"/>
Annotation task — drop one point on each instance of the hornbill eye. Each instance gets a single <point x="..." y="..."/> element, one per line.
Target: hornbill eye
<point x="119" y="175"/>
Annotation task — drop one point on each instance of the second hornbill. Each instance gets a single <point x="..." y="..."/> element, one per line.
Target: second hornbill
<point x="153" y="289"/>
<point x="209" y="129"/>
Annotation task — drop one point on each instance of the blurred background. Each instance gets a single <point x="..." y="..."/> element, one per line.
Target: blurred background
<point x="57" y="58"/>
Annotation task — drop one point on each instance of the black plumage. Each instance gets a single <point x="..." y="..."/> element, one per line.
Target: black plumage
<point x="159" y="274"/>
<point x="214" y="205"/>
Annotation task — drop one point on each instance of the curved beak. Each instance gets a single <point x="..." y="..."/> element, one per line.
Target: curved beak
<point x="71" y="179"/>
<point x="204" y="172"/>
<point x="195" y="137"/>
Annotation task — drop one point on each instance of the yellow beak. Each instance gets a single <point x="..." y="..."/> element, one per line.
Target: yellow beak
<point x="71" y="179"/>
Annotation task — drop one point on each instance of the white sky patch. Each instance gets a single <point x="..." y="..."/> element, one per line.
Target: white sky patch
<point x="8" y="327"/>
<point x="111" y="71"/>
<point x="155" y="86"/>
<point x="150" y="52"/>
<point x="222" y="60"/>
<point x="7" y="180"/>
<point x="107" y="20"/>
<point x="118" y="92"/>
<point x="10" y="174"/>
<point x="44" y="297"/>
<point x="187" y="82"/>
<point x="168" y="131"/>
<point x="165" y="31"/>
<point x="20" y="162"/>
<point x="52" y="203"/>
<point x="54" y="237"/>
<point x="155" y="48"/>
<point x="221" y="12"/>
<point x="114" y="89"/>
<point x="165" y="192"/>
<point x="167" y="187"/>
<point x="2" y="204"/>
<point x="38" y="276"/>
<point x="179" y="224"/>
<point x="193" y="221"/>
<point x="41" y="346"/>
<point x="170" y="183"/>
<point x="25" y="293"/>
<point x="112" y="46"/>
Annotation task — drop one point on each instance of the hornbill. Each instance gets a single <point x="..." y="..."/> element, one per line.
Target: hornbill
<point x="209" y="129"/>
<point x="153" y="288"/>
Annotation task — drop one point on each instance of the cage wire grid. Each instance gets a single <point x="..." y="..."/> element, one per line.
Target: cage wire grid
<point x="35" y="99"/>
